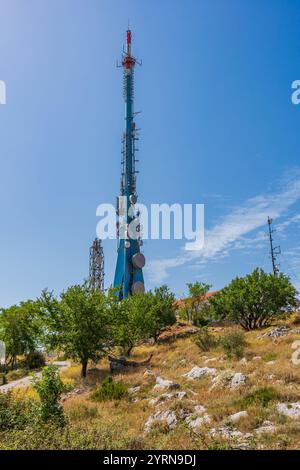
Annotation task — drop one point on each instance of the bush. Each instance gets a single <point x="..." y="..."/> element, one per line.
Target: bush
<point x="261" y="396"/>
<point x="233" y="343"/>
<point x="205" y="340"/>
<point x="83" y="411"/>
<point x="35" y="360"/>
<point x="50" y="388"/>
<point x="16" y="374"/>
<point x="110" y="390"/>
<point x="2" y="379"/>
<point x="255" y="300"/>
<point x="15" y="412"/>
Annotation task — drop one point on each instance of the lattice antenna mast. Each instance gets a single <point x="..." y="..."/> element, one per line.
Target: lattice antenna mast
<point x="130" y="260"/>
<point x="274" y="250"/>
<point x="96" y="273"/>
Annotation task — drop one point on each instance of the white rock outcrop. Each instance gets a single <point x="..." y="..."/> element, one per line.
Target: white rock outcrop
<point x="198" y="372"/>
<point x="229" y="379"/>
<point x="167" y="417"/>
<point x="162" y="384"/>
<point x="237" y="416"/>
<point x="291" y="410"/>
<point x="267" y="427"/>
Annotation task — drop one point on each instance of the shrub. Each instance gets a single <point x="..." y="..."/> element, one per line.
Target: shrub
<point x="255" y="300"/>
<point x="83" y="411"/>
<point x="16" y="412"/>
<point x="110" y="390"/>
<point x="205" y="340"/>
<point x="16" y="374"/>
<point x="50" y="388"/>
<point x="2" y="379"/>
<point x="35" y="360"/>
<point x="262" y="396"/>
<point x="233" y="343"/>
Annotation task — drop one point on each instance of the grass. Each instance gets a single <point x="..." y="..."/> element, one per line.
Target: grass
<point x="110" y="390"/>
<point x="119" y="423"/>
<point x="260" y="397"/>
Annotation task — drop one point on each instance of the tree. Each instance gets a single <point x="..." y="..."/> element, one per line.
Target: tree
<point x="133" y="321"/>
<point x="78" y="323"/>
<point x="255" y="300"/>
<point x="196" y="308"/>
<point x="162" y="310"/>
<point x="142" y="316"/>
<point x="19" y="329"/>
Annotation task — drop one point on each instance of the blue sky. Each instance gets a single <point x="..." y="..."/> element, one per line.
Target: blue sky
<point x="218" y="127"/>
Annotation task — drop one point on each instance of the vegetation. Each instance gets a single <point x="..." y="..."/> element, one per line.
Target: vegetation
<point x="16" y="412"/>
<point x="142" y="316"/>
<point x="79" y="323"/>
<point x="255" y="300"/>
<point x="50" y="388"/>
<point x="110" y="390"/>
<point x="260" y="397"/>
<point x="233" y="343"/>
<point x="84" y="325"/>
<point x="205" y="340"/>
<point x="20" y="330"/>
<point x="35" y="360"/>
<point x="162" y="310"/>
<point x="196" y="309"/>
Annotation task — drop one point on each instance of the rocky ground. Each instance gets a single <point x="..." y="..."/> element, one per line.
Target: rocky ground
<point x="189" y="399"/>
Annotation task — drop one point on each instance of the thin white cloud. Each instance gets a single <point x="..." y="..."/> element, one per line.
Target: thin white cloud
<point x="231" y="231"/>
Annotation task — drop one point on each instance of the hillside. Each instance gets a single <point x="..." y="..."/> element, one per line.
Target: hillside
<point x="252" y="402"/>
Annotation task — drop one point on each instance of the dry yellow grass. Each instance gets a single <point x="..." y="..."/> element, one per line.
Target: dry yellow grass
<point x="124" y="419"/>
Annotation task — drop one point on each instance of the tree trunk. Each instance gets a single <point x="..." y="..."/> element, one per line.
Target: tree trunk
<point x="84" y="364"/>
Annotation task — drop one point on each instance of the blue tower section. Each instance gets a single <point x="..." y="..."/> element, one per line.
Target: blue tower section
<point x="130" y="261"/>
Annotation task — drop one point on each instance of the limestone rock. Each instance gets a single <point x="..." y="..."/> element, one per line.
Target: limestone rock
<point x="291" y="410"/>
<point x="134" y="390"/>
<point x="198" y="372"/>
<point x="162" y="384"/>
<point x="198" y="422"/>
<point x="237" y="416"/>
<point x="226" y="432"/>
<point x="237" y="380"/>
<point x="266" y="428"/>
<point x="168" y="417"/>
<point x="229" y="379"/>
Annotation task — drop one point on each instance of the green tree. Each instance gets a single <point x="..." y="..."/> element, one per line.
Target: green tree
<point x="50" y="388"/>
<point x="255" y="300"/>
<point x="196" y="308"/>
<point x="20" y="329"/>
<point x="133" y="321"/>
<point x="162" y="310"/>
<point x="142" y="316"/>
<point x="79" y="323"/>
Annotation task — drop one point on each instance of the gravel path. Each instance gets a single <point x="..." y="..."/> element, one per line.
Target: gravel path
<point x="26" y="381"/>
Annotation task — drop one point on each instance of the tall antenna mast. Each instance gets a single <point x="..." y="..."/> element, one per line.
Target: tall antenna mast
<point x="96" y="274"/>
<point x="130" y="261"/>
<point x="275" y="250"/>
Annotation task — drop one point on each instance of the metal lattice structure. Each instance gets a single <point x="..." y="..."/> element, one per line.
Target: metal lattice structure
<point x="130" y="262"/>
<point x="274" y="250"/>
<point x="96" y="273"/>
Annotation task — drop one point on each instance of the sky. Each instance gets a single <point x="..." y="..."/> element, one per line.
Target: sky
<point x="218" y="127"/>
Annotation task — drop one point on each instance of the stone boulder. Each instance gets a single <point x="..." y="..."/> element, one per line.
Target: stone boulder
<point x="198" y="372"/>
<point x="291" y="410"/>
<point x="166" y="417"/>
